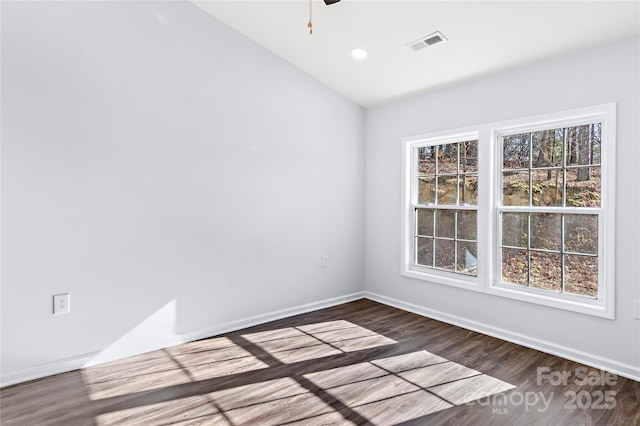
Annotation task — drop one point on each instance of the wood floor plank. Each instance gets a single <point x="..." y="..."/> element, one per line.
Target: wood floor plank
<point x="410" y="361"/>
<point x="201" y="346"/>
<point x="467" y="389"/>
<point x="357" y="344"/>
<point x="401" y="408"/>
<point x="344" y="334"/>
<point x="229" y="367"/>
<point x="101" y="389"/>
<point x="289" y="343"/>
<point x="173" y="411"/>
<point x="438" y="374"/>
<point x="330" y="419"/>
<point x="372" y="390"/>
<point x="344" y="375"/>
<point x="360" y="363"/>
<point x="206" y="357"/>
<point x="306" y="353"/>
<point x="277" y="334"/>
<point x="256" y="393"/>
<point x="325" y="326"/>
<point x="280" y="411"/>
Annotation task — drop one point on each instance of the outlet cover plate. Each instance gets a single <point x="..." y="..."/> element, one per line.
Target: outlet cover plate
<point x="61" y="304"/>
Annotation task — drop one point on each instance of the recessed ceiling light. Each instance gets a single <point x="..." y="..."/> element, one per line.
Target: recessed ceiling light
<point x="358" y="53"/>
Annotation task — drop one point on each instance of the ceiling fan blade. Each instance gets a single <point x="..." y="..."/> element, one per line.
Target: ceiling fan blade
<point x="328" y="2"/>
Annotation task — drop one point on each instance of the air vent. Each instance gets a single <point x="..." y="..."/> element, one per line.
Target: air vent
<point x="427" y="41"/>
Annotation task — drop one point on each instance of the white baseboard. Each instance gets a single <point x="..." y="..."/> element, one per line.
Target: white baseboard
<point x="47" y="369"/>
<point x="612" y="366"/>
<point x="268" y="317"/>
<point x="89" y="359"/>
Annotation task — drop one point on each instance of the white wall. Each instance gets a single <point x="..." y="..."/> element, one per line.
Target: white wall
<point x="179" y="180"/>
<point x="601" y="75"/>
<point x="173" y="176"/>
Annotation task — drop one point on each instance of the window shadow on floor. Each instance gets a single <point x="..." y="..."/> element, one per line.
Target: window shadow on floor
<point x="320" y="373"/>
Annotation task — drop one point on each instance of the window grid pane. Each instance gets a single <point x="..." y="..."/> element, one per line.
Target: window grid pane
<point x="564" y="261"/>
<point x="446" y="239"/>
<point x="557" y="167"/>
<point x="546" y="252"/>
<point x="447" y="176"/>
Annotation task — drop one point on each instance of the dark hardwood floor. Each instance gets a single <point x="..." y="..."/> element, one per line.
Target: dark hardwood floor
<point x="357" y="363"/>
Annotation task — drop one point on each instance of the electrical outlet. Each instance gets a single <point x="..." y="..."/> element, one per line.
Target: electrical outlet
<point x="636" y="304"/>
<point x="61" y="304"/>
<point x="325" y="261"/>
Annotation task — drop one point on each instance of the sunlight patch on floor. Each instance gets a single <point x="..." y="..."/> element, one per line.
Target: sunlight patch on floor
<point x="296" y="344"/>
<point x="405" y="387"/>
<point x="186" y="363"/>
<point x="166" y="412"/>
<point x="271" y="402"/>
<point x="382" y="391"/>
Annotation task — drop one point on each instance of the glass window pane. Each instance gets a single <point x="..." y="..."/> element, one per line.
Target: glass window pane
<point x="447" y="175"/>
<point x="546" y="271"/>
<point x="552" y="168"/>
<point x="469" y="157"/>
<point x="515" y="229"/>
<point x="467" y="258"/>
<point x="426" y="190"/>
<point x="546" y="231"/>
<point x="469" y="190"/>
<point x="515" y="189"/>
<point x="547" y="187"/>
<point x="447" y="190"/>
<point x="581" y="275"/>
<point x="583" y="145"/>
<point x="448" y="159"/>
<point x="583" y="187"/>
<point x="596" y="145"/>
<point x="445" y="254"/>
<point x="515" y="152"/>
<point x="445" y="223"/>
<point x="467" y="225"/>
<point x="514" y="266"/>
<point x="425" y="222"/>
<point x="427" y="160"/>
<point x="547" y="148"/>
<point x="424" y="251"/>
<point x="581" y="233"/>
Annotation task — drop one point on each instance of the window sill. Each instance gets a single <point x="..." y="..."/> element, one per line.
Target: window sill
<point x="451" y="279"/>
<point x="591" y="307"/>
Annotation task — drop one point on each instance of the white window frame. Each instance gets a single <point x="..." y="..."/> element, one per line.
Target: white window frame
<point x="489" y="206"/>
<point x="409" y="223"/>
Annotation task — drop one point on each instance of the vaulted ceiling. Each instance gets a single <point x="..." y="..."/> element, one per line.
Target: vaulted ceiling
<point x="482" y="37"/>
